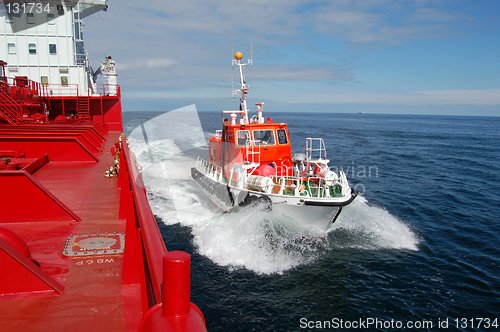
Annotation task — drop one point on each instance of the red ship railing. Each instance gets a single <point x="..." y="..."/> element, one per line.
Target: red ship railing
<point x="22" y="87"/>
<point x="15" y="93"/>
<point x="169" y="283"/>
<point x="108" y="90"/>
<point x="9" y="109"/>
<point x="153" y="243"/>
<point x="59" y="90"/>
<point x="25" y="101"/>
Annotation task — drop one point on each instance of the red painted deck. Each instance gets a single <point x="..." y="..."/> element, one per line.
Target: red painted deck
<point x="53" y="187"/>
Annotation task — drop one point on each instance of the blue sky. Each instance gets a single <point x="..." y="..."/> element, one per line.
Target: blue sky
<point x="378" y="56"/>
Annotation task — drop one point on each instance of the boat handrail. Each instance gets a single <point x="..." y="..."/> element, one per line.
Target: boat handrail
<point x="279" y="169"/>
<point x="283" y="169"/>
<point x="252" y="152"/>
<point x="230" y="112"/>
<point x="320" y="186"/>
<point x="316" y="149"/>
<point x="209" y="169"/>
<point x="314" y="186"/>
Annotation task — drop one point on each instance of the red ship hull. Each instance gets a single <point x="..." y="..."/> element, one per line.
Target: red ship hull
<point x="79" y="250"/>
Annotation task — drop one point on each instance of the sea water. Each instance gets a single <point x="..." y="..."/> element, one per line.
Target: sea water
<point x="419" y="244"/>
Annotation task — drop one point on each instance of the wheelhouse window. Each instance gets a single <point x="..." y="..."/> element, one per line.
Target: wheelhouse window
<point x="32" y="48"/>
<point x="44" y="80"/>
<point x="282" y="139"/>
<point x="242" y="136"/>
<point x="12" y="48"/>
<point x="264" y="137"/>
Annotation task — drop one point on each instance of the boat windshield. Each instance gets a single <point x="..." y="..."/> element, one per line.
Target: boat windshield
<point x="243" y="136"/>
<point x="282" y="136"/>
<point x="264" y="137"/>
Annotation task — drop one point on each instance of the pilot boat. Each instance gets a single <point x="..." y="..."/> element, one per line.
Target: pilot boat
<point x="250" y="161"/>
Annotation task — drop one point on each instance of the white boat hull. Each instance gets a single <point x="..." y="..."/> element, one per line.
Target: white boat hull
<point x="316" y="218"/>
<point x="314" y="214"/>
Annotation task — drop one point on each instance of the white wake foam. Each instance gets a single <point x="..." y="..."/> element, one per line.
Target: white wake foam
<point x="253" y="238"/>
<point x="375" y="226"/>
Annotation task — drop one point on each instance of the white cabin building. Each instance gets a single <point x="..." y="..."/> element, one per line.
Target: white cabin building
<point x="45" y="43"/>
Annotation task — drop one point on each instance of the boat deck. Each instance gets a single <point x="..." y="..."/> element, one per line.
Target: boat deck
<point x="63" y="196"/>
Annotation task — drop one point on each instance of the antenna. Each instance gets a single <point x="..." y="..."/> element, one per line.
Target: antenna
<point x="233" y="63"/>
<point x="233" y="91"/>
<point x="238" y="56"/>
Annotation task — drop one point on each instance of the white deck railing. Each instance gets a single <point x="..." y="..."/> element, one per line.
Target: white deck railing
<point x="314" y="187"/>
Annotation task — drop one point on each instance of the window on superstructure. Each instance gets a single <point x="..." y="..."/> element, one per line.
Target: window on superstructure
<point x="52" y="49"/>
<point x="282" y="139"/>
<point x="9" y="18"/>
<point x="64" y="81"/>
<point x="12" y="48"/>
<point x="32" y="48"/>
<point x="44" y="80"/>
<point x="31" y="18"/>
<point x="242" y="137"/>
<point x="77" y="31"/>
<point x="51" y="19"/>
<point x="264" y="137"/>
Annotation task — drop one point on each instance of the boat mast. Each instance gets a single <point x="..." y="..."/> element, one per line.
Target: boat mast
<point x="243" y="86"/>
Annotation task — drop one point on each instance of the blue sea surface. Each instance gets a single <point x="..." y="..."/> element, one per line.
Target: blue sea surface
<point x="433" y="185"/>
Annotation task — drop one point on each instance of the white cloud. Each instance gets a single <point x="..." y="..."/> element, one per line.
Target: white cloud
<point x="383" y="21"/>
<point x="196" y="34"/>
<point x="297" y="72"/>
<point x="183" y="47"/>
<point x="187" y="43"/>
<point x="426" y="14"/>
<point x="153" y="64"/>
<point x="464" y="96"/>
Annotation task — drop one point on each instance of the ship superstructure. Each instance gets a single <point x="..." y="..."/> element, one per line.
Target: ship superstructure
<point x="46" y="43"/>
<point x="47" y="67"/>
